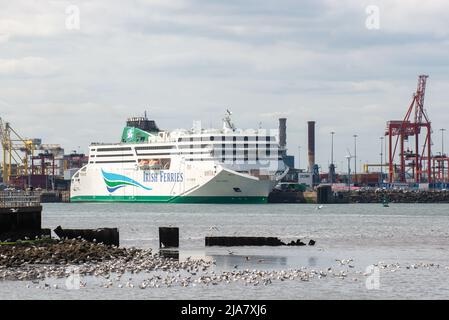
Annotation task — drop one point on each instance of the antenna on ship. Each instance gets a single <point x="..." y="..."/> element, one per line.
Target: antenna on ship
<point x="227" y="123"/>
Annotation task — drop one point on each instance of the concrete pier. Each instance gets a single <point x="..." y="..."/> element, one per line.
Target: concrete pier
<point x="243" y="241"/>
<point x="168" y="237"/>
<point x="250" y="241"/>
<point x="107" y="236"/>
<point x="169" y="254"/>
<point x="276" y="196"/>
<point x="324" y="194"/>
<point x="19" y="223"/>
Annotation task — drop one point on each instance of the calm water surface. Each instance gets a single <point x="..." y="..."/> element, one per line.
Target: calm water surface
<point x="367" y="233"/>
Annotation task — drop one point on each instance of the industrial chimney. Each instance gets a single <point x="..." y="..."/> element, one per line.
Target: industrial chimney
<point x="283" y="135"/>
<point x="311" y="146"/>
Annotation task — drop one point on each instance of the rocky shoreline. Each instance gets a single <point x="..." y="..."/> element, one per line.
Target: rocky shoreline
<point x="399" y="196"/>
<point x="376" y="196"/>
<point x="57" y="258"/>
<point x="60" y="252"/>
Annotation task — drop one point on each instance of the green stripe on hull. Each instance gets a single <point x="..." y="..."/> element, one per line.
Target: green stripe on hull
<point x="168" y="199"/>
<point x="220" y="200"/>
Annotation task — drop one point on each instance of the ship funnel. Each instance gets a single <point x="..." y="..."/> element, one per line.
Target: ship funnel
<point x="142" y="123"/>
<point x="283" y="134"/>
<point x="311" y="144"/>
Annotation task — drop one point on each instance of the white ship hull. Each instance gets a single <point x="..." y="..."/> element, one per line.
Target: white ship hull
<point x="224" y="186"/>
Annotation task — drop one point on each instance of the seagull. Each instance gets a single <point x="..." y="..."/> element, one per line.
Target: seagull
<point x="14" y="210"/>
<point x="319" y="207"/>
<point x="230" y="252"/>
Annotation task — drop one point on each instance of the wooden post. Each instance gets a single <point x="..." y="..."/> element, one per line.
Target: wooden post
<point x="168" y="237"/>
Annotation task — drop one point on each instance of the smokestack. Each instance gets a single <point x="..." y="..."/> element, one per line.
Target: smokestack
<point x="283" y="134"/>
<point x="311" y="147"/>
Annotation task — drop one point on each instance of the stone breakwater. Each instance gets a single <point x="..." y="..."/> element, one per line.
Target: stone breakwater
<point x="57" y="260"/>
<point x="60" y="253"/>
<point x="399" y="196"/>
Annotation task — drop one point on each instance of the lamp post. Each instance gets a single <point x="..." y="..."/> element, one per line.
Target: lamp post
<point x="381" y="160"/>
<point x="348" y="157"/>
<point x="442" y="151"/>
<point x="332" y="147"/>
<point x="299" y="158"/>
<point x="332" y="166"/>
<point x="442" y="140"/>
<point x="355" y="157"/>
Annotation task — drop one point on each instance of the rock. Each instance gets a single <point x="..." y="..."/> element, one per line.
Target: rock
<point x="57" y="252"/>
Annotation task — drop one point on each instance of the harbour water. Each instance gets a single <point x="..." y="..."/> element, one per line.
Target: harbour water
<point x="408" y="243"/>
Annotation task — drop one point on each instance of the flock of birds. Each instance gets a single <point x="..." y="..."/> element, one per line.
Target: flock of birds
<point x="147" y="270"/>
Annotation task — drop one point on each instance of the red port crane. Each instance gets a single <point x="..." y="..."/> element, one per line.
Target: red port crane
<point x="418" y="159"/>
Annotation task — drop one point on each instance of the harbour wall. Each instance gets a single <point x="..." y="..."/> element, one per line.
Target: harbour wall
<point x="379" y="196"/>
<point x="324" y="195"/>
<point x="398" y="196"/>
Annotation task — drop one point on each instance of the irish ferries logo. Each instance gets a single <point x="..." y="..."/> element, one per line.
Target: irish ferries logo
<point x="130" y="133"/>
<point x="115" y="181"/>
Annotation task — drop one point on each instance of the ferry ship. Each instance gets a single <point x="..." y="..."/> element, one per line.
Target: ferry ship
<point x="227" y="165"/>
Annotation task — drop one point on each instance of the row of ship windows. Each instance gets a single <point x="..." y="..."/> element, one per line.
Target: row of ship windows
<point x="234" y="145"/>
<point x="259" y="147"/>
<point x="112" y="149"/>
<point x="117" y="161"/>
<point x="232" y="159"/>
<point x="199" y="139"/>
<point x="219" y="151"/>
<point x="195" y="159"/>
<point x="227" y="138"/>
<point x="191" y="146"/>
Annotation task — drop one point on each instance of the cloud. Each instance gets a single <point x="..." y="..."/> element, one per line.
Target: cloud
<point x="28" y="66"/>
<point x="185" y="60"/>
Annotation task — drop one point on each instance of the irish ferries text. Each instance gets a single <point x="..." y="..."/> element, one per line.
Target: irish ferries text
<point x="149" y="176"/>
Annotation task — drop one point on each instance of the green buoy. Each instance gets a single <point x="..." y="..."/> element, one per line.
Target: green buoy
<point x="385" y="202"/>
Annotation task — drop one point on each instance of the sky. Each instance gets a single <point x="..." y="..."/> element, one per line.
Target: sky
<point x="71" y="72"/>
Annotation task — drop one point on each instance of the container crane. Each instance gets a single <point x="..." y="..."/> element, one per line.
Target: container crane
<point x="418" y="158"/>
<point x="16" y="152"/>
